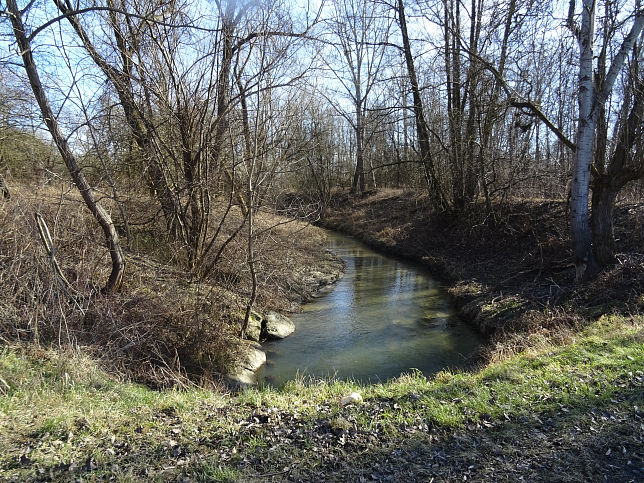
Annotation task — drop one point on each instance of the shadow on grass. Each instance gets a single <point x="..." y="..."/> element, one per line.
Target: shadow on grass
<point x="585" y="440"/>
<point x="605" y="443"/>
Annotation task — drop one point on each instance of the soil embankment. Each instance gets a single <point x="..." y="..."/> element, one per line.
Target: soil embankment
<point x="507" y="272"/>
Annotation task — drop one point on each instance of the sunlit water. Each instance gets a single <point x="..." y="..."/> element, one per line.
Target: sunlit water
<point x="383" y="318"/>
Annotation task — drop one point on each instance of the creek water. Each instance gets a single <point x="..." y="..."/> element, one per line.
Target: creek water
<point x="383" y="318"/>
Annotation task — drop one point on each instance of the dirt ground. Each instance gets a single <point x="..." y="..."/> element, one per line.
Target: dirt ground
<point x="606" y="444"/>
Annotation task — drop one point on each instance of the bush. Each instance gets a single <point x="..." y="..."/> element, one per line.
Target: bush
<point x="159" y="329"/>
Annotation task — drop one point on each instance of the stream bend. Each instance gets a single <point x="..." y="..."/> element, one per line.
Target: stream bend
<point x="383" y="318"/>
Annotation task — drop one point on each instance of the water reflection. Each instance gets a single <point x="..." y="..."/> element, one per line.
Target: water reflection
<point x="383" y="318"/>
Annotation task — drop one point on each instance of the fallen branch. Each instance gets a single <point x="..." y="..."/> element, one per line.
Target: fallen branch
<point x="47" y="242"/>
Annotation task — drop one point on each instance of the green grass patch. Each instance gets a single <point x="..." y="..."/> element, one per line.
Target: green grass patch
<point x="62" y="417"/>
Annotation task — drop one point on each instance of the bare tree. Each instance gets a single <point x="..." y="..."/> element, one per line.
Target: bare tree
<point x="173" y="82"/>
<point x="360" y="34"/>
<point x="611" y="173"/>
<point x="116" y="254"/>
<point x="616" y="162"/>
<point x="435" y="191"/>
<point x="265" y="86"/>
<point x="591" y="100"/>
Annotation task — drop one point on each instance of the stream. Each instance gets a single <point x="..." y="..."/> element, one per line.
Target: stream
<point x="385" y="317"/>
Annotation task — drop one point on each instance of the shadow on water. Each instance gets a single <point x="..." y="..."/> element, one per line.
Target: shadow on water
<point x="383" y="318"/>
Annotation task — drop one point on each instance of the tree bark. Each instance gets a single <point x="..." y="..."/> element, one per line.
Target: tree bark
<point x="103" y="218"/>
<point x="422" y="130"/>
<point x="603" y="204"/>
<point x="608" y="181"/>
<point x="591" y="102"/>
<point x="585" y="264"/>
<point x="358" y="185"/>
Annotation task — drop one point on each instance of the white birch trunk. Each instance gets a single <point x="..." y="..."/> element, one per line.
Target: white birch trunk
<point x="590" y="103"/>
<point x="579" y="221"/>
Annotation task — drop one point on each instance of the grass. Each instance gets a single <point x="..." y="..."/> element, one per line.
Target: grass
<point x="62" y="417"/>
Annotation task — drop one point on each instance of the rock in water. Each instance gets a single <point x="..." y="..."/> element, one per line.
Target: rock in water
<point x="353" y="398"/>
<point x="278" y="326"/>
<point x="254" y="357"/>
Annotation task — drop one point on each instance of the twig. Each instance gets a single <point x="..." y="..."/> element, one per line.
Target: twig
<point x="4" y="191"/>
<point x="4" y="387"/>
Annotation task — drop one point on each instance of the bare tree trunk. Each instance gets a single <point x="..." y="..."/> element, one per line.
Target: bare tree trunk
<point x="590" y="104"/>
<point x="223" y="87"/>
<point x="579" y="222"/>
<point x="422" y="130"/>
<point x="469" y="186"/>
<point x="103" y="218"/>
<point x="250" y="260"/>
<point x="607" y="183"/>
<point x="250" y="151"/>
<point x="603" y="203"/>
<point x="358" y="185"/>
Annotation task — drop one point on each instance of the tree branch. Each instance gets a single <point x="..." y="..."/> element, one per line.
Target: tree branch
<point x="517" y="100"/>
<point x="570" y="20"/>
<point x="620" y="58"/>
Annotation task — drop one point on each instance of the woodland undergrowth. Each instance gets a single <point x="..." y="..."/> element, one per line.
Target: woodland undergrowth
<point x="165" y="326"/>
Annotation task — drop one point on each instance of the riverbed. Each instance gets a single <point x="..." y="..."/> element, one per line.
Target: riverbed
<point x="385" y="317"/>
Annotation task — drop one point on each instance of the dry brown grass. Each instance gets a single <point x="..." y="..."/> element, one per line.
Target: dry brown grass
<point x="32" y="305"/>
<point x="163" y="327"/>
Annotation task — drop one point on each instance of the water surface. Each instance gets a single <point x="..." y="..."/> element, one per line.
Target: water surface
<point x="383" y="318"/>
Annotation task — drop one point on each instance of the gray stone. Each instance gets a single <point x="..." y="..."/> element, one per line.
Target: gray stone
<point x="254" y="357"/>
<point x="278" y="326"/>
<point x="241" y="372"/>
<point x="353" y="398"/>
<point x="241" y="379"/>
<point x="325" y="290"/>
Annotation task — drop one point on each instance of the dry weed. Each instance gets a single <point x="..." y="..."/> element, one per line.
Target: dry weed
<point x="164" y="327"/>
<point x="158" y="329"/>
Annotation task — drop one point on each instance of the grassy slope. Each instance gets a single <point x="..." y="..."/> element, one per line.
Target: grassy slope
<point x="566" y="412"/>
